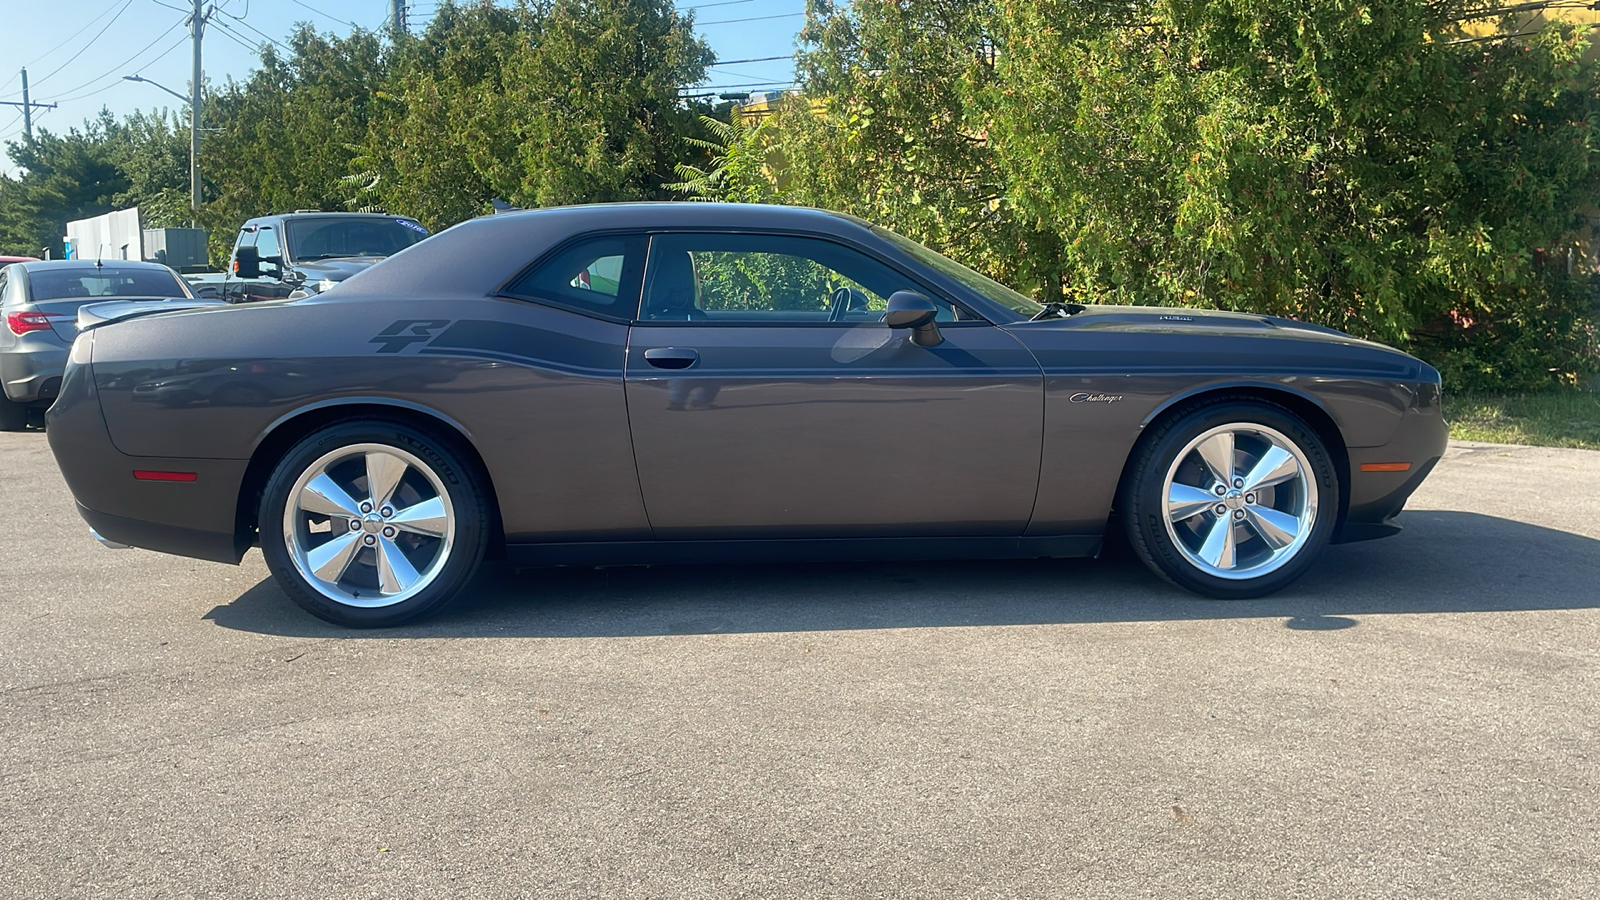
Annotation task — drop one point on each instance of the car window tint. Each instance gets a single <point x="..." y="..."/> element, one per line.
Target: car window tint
<point x="768" y="279"/>
<point x="61" y="284"/>
<point x="599" y="274"/>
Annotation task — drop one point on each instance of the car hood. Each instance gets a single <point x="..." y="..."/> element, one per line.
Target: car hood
<point x="1111" y="337"/>
<point x="1156" y="319"/>
<point x="337" y="269"/>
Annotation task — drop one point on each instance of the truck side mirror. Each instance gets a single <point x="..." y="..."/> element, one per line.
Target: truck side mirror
<point x="247" y="262"/>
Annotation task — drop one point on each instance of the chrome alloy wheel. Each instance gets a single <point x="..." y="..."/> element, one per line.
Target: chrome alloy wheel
<point x="369" y="525"/>
<point x="1241" y="501"/>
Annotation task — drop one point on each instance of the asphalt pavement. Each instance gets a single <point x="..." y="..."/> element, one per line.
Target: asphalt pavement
<point x="1419" y="717"/>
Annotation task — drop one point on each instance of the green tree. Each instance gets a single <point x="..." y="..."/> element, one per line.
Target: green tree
<point x="565" y="102"/>
<point x="66" y="177"/>
<point x="1365" y="164"/>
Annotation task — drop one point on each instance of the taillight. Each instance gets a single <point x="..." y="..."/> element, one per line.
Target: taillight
<point x="24" y="322"/>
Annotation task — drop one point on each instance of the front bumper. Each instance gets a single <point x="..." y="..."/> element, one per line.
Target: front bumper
<point x="1376" y="498"/>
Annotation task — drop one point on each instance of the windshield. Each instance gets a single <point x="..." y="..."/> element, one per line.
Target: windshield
<point x="85" y="283"/>
<point x="327" y="238"/>
<point x="980" y="284"/>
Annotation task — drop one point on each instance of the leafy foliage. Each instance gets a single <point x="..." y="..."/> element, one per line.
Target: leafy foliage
<point x="1364" y="164"/>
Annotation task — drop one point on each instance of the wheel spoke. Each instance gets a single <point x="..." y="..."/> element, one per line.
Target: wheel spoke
<point x="330" y="560"/>
<point x="1218" y="549"/>
<point x="1217" y="454"/>
<point x="1278" y="529"/>
<point x="1276" y="466"/>
<point x="324" y="497"/>
<point x="395" y="572"/>
<point x="426" y="518"/>
<point x="1184" y="501"/>
<point x="384" y="472"/>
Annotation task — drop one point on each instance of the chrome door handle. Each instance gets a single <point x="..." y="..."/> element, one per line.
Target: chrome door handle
<point x="671" y="357"/>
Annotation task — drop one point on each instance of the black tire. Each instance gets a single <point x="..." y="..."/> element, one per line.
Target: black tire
<point x="13" y="416"/>
<point x="456" y="560"/>
<point x="1144" y="506"/>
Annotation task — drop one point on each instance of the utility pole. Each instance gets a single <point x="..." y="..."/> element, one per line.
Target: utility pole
<point x="397" y="16"/>
<point x="27" y="107"/>
<point x="197" y="27"/>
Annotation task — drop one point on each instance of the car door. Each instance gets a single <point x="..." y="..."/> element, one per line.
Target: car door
<point x="767" y="399"/>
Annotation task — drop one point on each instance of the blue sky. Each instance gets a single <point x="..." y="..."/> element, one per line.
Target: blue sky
<point x="76" y="51"/>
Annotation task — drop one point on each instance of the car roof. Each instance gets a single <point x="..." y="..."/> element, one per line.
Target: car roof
<point x="479" y="255"/>
<point x="325" y="215"/>
<point x="39" y="264"/>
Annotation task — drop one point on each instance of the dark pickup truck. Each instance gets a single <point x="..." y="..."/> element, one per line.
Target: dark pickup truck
<point x="302" y="253"/>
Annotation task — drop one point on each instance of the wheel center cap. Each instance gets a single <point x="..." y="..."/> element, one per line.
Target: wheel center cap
<point x="1234" y="500"/>
<point x="372" y="523"/>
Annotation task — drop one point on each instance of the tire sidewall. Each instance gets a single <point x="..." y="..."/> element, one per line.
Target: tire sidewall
<point x="453" y="472"/>
<point x="1148" y="513"/>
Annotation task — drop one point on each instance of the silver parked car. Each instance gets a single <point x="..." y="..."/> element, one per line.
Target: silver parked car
<point x="39" y="301"/>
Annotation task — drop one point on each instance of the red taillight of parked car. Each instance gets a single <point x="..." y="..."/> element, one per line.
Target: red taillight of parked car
<point x="24" y="322"/>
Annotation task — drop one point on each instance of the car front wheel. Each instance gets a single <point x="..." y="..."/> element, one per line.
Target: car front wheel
<point x="1233" y="499"/>
<point x="371" y="524"/>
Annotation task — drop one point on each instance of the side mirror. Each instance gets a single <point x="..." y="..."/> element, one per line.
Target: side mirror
<point x="247" y="262"/>
<point x="909" y="309"/>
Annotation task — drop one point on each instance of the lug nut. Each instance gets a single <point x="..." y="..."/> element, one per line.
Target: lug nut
<point x="388" y="532"/>
<point x="1238" y="482"/>
<point x="366" y="507"/>
<point x="354" y="525"/>
<point x="387" y="512"/>
<point x="1221" y="489"/>
<point x="368" y="540"/>
<point x="1221" y="510"/>
<point x="1249" y="498"/>
<point x="1238" y="514"/>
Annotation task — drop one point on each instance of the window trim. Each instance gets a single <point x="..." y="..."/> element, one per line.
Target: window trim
<point x="630" y="291"/>
<point x="917" y="281"/>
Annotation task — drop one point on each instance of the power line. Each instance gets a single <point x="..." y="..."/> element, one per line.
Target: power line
<point x="239" y="39"/>
<point x="723" y="87"/>
<point x="325" y="15"/>
<point x="751" y="19"/>
<point x="723" y="3"/>
<point x="735" y="62"/>
<point x="86" y="26"/>
<point x="119" y="66"/>
<point x="264" y="36"/>
<point x="91" y="42"/>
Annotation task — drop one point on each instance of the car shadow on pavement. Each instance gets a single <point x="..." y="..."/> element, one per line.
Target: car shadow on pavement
<point x="1444" y="562"/>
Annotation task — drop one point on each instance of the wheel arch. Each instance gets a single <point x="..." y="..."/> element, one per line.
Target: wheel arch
<point x="277" y="439"/>
<point x="1307" y="407"/>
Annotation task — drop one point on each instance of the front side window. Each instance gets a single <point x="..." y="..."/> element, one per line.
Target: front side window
<point x="768" y="279"/>
<point x="598" y="274"/>
<point x="270" y="250"/>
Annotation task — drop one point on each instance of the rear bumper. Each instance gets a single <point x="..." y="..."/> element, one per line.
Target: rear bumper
<point x="32" y="372"/>
<point x="194" y="518"/>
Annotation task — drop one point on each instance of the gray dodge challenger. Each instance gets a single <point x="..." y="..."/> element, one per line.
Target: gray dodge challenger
<point x="653" y="383"/>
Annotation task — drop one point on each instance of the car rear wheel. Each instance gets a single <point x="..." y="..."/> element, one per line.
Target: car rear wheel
<point x="13" y="416"/>
<point x="1233" y="499"/>
<point x="371" y="524"/>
